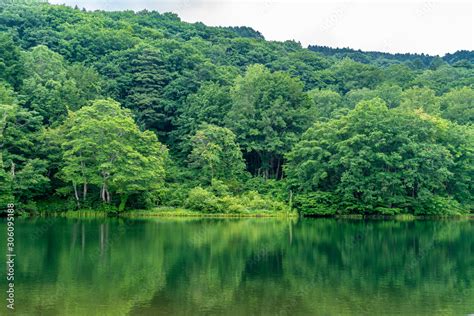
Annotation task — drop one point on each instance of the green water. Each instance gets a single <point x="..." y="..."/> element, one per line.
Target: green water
<point x="241" y="267"/>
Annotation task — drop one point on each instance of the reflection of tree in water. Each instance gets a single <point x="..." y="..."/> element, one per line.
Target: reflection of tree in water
<point x="245" y="266"/>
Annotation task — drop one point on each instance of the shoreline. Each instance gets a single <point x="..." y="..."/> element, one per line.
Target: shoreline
<point x="170" y="212"/>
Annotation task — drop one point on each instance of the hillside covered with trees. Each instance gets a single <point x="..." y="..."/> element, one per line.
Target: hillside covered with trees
<point x="135" y="110"/>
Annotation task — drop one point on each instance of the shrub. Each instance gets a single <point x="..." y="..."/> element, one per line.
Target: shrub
<point x="219" y="188"/>
<point x="316" y="203"/>
<point x="173" y="195"/>
<point x="438" y="205"/>
<point x="268" y="187"/>
<point x="253" y="201"/>
<point x="231" y="204"/>
<point x="200" y="199"/>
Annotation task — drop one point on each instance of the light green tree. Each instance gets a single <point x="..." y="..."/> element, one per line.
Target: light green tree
<point x="104" y="147"/>
<point x="215" y="154"/>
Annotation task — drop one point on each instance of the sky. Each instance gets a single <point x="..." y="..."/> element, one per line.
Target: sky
<point x="406" y="26"/>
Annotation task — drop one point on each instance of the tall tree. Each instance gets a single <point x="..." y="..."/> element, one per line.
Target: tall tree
<point x="215" y="154"/>
<point x="104" y="147"/>
<point x="268" y="113"/>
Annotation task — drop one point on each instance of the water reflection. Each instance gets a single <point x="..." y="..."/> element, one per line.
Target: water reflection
<point x="242" y="267"/>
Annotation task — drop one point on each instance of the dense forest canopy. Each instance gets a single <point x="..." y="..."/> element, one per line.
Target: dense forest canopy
<point x="461" y="58"/>
<point x="115" y="110"/>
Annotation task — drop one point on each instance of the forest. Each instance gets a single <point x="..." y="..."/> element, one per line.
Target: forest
<point x="115" y="111"/>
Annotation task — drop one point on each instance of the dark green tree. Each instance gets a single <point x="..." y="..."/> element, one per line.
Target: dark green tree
<point x="269" y="112"/>
<point x="377" y="161"/>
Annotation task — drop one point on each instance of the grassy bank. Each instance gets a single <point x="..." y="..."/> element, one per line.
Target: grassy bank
<point x="155" y="212"/>
<point x="165" y="211"/>
<point x="181" y="212"/>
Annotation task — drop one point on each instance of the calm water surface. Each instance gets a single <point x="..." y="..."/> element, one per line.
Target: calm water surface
<point x="242" y="267"/>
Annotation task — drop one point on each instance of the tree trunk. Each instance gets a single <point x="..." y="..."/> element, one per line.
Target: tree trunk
<point x="107" y="195"/>
<point x="104" y="193"/>
<point x="84" y="191"/>
<point x="102" y="197"/>
<point x="76" y="194"/>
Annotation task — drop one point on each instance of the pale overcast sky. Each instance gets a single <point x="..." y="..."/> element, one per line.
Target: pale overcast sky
<point x="414" y="26"/>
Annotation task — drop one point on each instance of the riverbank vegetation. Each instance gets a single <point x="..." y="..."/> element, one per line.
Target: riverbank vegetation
<point x="116" y="111"/>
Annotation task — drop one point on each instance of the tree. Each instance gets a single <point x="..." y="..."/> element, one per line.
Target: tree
<point x="52" y="86"/>
<point x="269" y="111"/>
<point x="104" y="147"/>
<point x="209" y="104"/>
<point x="391" y="94"/>
<point x="445" y="78"/>
<point x="5" y="177"/>
<point x="23" y="172"/>
<point x="420" y="98"/>
<point x="215" y="154"/>
<point x="304" y="64"/>
<point x="378" y="161"/>
<point x="347" y="75"/>
<point x="11" y="68"/>
<point x="326" y="102"/>
<point x="399" y="74"/>
<point x="458" y="105"/>
<point x="137" y="78"/>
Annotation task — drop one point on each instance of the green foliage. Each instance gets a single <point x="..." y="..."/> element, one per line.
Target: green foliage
<point x="52" y="86"/>
<point x="420" y="98"/>
<point x="215" y="154"/>
<point x="201" y="199"/>
<point x="252" y="200"/>
<point x="377" y="161"/>
<point x="347" y="75"/>
<point x="55" y="204"/>
<point x="326" y="102"/>
<point x="11" y="68"/>
<point x="458" y="105"/>
<point x="103" y="147"/>
<point x="268" y="113"/>
<point x="317" y="203"/>
<point x="209" y="104"/>
<point x="232" y="108"/>
<point x="445" y="78"/>
<point x="23" y="173"/>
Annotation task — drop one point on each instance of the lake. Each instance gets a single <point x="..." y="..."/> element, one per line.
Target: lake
<point x="185" y="266"/>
